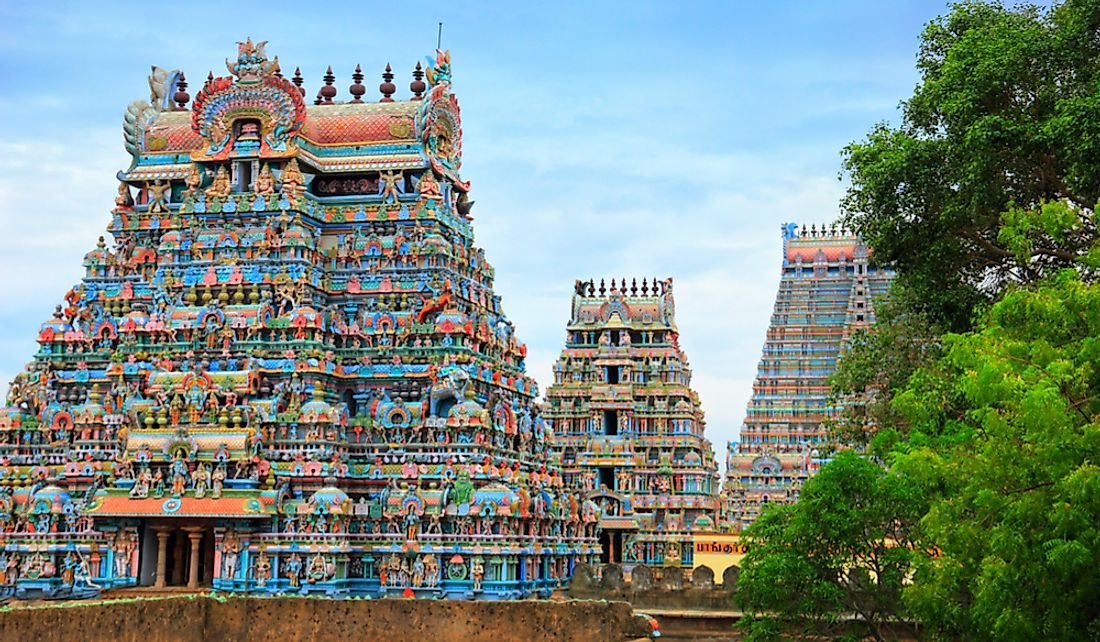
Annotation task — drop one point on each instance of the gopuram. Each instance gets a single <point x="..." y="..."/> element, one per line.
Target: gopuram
<point x="827" y="288"/>
<point x="628" y="428"/>
<point x="288" y="371"/>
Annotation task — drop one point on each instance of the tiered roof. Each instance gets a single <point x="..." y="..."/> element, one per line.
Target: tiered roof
<point x="628" y="428"/>
<point x="827" y="289"/>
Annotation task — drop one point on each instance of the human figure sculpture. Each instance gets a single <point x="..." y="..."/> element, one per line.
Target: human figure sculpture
<point x="217" y="479"/>
<point x="477" y="571"/>
<point x="293" y="183"/>
<point x="262" y="568"/>
<point x="265" y="182"/>
<point x="428" y="187"/>
<point x="123" y="547"/>
<point x="390" y="181"/>
<point x="220" y="187"/>
<point x="159" y="193"/>
<point x="200" y="478"/>
<point x="231" y="548"/>
<point x="294" y="570"/>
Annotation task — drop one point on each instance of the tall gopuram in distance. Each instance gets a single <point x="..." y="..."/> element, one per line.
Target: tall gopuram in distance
<point x="628" y="428"/>
<point x="827" y="288"/>
<point x="288" y="371"/>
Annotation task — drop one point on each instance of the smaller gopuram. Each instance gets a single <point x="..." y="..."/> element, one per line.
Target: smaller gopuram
<point x="628" y="428"/>
<point x="826" y="290"/>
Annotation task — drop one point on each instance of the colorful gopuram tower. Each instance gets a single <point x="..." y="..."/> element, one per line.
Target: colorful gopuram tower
<point x="827" y="288"/>
<point x="628" y="428"/>
<point x="289" y="371"/>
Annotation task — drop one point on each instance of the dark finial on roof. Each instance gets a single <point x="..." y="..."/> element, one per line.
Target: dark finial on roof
<point x="209" y="78"/>
<point x="297" y="80"/>
<point x="181" y="96"/>
<point x="417" y="86"/>
<point x="634" y="287"/>
<point x="603" y="289"/>
<point x="357" y="88"/>
<point x="320" y="99"/>
<point x="645" y="287"/>
<point x="387" y="87"/>
<point x="328" y="92"/>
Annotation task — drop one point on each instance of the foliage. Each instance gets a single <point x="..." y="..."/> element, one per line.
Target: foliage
<point x="1011" y="441"/>
<point x="875" y="364"/>
<point x="843" y="550"/>
<point x="990" y="179"/>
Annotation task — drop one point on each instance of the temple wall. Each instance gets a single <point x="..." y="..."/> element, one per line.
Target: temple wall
<point x="657" y="589"/>
<point x="194" y="619"/>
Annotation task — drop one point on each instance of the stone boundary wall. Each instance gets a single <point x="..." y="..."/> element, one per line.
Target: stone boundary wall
<point x="202" y="618"/>
<point x="664" y="588"/>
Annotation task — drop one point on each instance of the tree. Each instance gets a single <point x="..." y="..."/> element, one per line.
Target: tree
<point x="990" y="178"/>
<point x="877" y="362"/>
<point x="842" y="552"/>
<point x="1006" y="440"/>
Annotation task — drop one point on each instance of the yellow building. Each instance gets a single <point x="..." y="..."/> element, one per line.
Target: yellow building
<point x="718" y="551"/>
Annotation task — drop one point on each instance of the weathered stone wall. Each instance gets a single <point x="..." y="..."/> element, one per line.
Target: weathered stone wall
<point x="665" y="588"/>
<point x="198" y="619"/>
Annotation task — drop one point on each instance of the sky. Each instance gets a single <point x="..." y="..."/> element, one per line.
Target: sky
<point x="602" y="139"/>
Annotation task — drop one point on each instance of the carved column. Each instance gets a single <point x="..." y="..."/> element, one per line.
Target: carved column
<point x="162" y="556"/>
<point x="195" y="535"/>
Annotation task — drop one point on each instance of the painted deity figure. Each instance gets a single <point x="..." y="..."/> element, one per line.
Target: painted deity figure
<point x="477" y="571"/>
<point x="158" y="484"/>
<point x="262" y="568"/>
<point x="231" y="549"/>
<point x="193" y="180"/>
<point x="318" y="568"/>
<point x="431" y="570"/>
<point x="200" y="478"/>
<point x="294" y="570"/>
<point x="220" y="187"/>
<point x="293" y="181"/>
<point x="672" y="554"/>
<point x="412" y="523"/>
<point x="265" y="182"/>
<point x="124" y="201"/>
<point x="68" y="569"/>
<point x="179" y="476"/>
<point x="428" y="187"/>
<point x="418" y="572"/>
<point x="159" y="192"/>
<point x="390" y="181"/>
<point x="217" y="480"/>
<point x="140" y="488"/>
<point x="123" y="548"/>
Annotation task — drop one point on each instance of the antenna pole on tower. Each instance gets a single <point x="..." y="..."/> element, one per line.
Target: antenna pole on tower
<point x="439" y="37"/>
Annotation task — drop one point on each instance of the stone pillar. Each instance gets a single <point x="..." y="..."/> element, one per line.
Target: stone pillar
<point x="163" y="534"/>
<point x="177" y="565"/>
<point x="195" y="535"/>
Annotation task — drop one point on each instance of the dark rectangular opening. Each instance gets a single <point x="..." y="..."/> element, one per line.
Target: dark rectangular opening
<point x="611" y="547"/>
<point x="610" y="422"/>
<point x="607" y="476"/>
<point x="614" y="337"/>
<point x="612" y="374"/>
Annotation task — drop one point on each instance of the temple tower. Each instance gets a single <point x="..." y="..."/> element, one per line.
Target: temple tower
<point x="827" y="288"/>
<point x="288" y="371"/>
<point x="628" y="428"/>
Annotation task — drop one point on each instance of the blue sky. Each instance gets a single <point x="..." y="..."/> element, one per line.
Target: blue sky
<point x="603" y="139"/>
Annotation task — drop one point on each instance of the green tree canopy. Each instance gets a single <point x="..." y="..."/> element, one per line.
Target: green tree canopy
<point x="1006" y="442"/>
<point x="991" y="177"/>
<point x="842" y="552"/>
